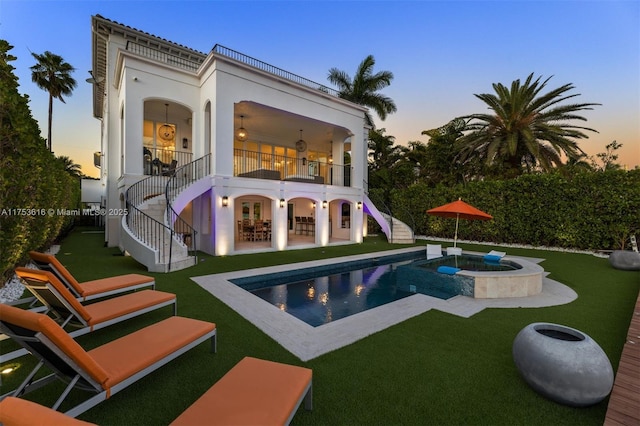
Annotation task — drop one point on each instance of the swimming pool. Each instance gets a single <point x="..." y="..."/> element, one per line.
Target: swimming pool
<point x="320" y="295"/>
<point x="324" y="294"/>
<point x="307" y="342"/>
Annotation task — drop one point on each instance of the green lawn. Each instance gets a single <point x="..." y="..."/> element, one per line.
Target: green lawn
<point x="435" y="368"/>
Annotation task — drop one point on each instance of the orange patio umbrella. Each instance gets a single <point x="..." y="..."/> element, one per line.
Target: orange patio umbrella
<point x="459" y="209"/>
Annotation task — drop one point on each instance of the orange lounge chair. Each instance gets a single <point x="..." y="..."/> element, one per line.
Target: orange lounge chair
<point x="70" y="312"/>
<point x="20" y="412"/>
<point x="254" y="392"/>
<point x="107" y="369"/>
<point x="89" y="290"/>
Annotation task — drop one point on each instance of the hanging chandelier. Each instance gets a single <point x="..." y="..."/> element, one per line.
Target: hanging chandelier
<point x="241" y="133"/>
<point x="166" y="132"/>
<point x="301" y="145"/>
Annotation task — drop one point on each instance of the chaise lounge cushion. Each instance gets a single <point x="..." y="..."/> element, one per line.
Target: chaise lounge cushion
<point x="21" y="412"/>
<point x="123" y="305"/>
<point x="90" y="288"/>
<point x="253" y="392"/>
<point x="134" y="352"/>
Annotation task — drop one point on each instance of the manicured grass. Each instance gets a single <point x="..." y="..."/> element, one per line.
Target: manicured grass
<point x="435" y="368"/>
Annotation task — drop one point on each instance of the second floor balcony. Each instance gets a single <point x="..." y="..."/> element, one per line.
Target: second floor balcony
<point x="256" y="165"/>
<point x="259" y="165"/>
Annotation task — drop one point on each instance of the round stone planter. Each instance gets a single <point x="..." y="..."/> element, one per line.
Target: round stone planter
<point x="626" y="260"/>
<point x="563" y="364"/>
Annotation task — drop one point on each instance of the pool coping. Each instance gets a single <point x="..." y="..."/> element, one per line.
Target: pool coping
<point x="308" y="342"/>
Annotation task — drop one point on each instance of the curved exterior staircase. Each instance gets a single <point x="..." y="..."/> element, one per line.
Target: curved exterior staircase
<point x="400" y="232"/>
<point x="152" y="232"/>
<point x="397" y="232"/>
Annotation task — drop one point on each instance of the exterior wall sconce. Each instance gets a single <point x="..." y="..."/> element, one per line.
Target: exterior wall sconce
<point x="359" y="205"/>
<point x="282" y="203"/>
<point x="97" y="159"/>
<point x="225" y="201"/>
<point x="324" y="204"/>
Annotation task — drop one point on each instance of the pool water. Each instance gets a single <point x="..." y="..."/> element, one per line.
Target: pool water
<point x="320" y="300"/>
<point x="468" y="262"/>
<point x="320" y="295"/>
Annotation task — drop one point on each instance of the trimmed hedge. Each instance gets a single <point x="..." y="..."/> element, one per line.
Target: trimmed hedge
<point x="32" y="180"/>
<point x="588" y="210"/>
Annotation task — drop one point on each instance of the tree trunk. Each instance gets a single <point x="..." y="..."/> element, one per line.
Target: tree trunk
<point x="50" y="118"/>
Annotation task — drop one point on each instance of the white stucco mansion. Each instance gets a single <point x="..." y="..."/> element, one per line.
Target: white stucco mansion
<point x="221" y="152"/>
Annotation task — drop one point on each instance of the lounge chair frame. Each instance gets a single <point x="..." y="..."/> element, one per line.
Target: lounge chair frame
<point x="51" y="264"/>
<point x="65" y="314"/>
<point x="65" y="369"/>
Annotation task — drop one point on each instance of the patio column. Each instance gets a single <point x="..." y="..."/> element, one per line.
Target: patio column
<point x="322" y="222"/>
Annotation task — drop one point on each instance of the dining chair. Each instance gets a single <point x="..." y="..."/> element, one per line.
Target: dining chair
<point x="311" y="226"/>
<point x="258" y="230"/>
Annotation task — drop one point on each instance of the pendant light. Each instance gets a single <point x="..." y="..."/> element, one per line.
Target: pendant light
<point x="166" y="132"/>
<point x="241" y="133"/>
<point x="301" y="145"/>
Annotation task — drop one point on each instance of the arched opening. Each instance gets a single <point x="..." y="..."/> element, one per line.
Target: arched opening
<point x="166" y="136"/>
<point x="302" y="221"/>
<point x="340" y="220"/>
<point x="254" y="222"/>
<point x="207" y="128"/>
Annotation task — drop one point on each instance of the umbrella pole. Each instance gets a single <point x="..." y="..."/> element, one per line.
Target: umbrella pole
<point x="455" y="237"/>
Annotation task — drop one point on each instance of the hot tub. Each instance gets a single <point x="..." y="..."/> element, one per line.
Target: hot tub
<point x="518" y="277"/>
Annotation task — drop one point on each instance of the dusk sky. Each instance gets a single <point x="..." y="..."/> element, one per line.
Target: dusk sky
<point x="440" y="52"/>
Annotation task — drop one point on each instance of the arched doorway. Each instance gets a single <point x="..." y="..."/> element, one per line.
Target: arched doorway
<point x="166" y="136"/>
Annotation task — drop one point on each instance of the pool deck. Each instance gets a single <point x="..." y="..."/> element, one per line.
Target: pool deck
<point x="307" y="342"/>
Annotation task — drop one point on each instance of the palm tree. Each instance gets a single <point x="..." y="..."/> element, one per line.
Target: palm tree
<point x="363" y="88"/>
<point x="52" y="74"/>
<point x="70" y="167"/>
<point x="526" y="130"/>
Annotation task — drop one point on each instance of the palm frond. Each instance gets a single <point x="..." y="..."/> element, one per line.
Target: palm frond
<point x="527" y="128"/>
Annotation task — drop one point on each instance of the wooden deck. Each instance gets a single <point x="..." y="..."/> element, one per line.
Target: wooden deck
<point x="624" y="403"/>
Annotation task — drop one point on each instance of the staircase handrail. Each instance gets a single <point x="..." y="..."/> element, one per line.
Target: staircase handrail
<point x="181" y="178"/>
<point x="377" y="201"/>
<point x="153" y="234"/>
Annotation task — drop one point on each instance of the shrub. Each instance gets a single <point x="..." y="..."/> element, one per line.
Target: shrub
<point x="32" y="181"/>
<point x="587" y="210"/>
